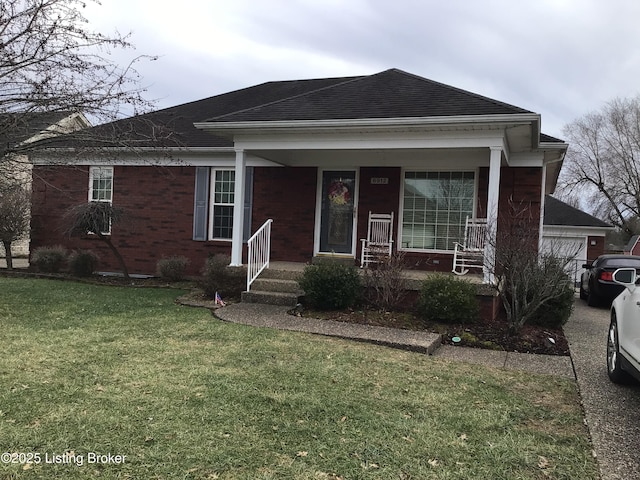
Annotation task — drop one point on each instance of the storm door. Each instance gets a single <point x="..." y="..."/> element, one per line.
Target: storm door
<point x="337" y="204"/>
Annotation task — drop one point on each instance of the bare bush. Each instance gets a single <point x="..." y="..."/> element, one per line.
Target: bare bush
<point x="528" y="281"/>
<point x="385" y="286"/>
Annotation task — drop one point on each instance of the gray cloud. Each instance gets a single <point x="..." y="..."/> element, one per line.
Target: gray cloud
<point x="560" y="58"/>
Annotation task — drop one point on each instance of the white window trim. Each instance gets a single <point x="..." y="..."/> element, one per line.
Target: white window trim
<point x="212" y="203"/>
<point x="92" y="172"/>
<point x="476" y="174"/>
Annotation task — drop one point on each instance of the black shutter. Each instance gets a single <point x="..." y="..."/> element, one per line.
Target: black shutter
<point x="201" y="203"/>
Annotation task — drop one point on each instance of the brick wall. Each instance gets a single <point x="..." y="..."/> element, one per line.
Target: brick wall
<point x="520" y="197"/>
<point x="377" y="198"/>
<point x="288" y="196"/>
<point x="595" y="250"/>
<point x="159" y="220"/>
<point x="160" y="205"/>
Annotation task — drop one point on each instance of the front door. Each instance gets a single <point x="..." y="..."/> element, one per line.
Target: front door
<point x="337" y="218"/>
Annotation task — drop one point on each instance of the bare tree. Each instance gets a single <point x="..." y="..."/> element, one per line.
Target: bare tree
<point x="97" y="218"/>
<point x="529" y="282"/>
<point x="51" y="61"/>
<point x="15" y="209"/>
<point x="603" y="162"/>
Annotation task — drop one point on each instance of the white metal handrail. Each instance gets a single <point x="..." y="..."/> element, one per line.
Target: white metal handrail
<point x="259" y="252"/>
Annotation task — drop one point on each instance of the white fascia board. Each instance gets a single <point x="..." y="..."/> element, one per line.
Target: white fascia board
<point x="553" y="152"/>
<point x="526" y="159"/>
<point x="382" y="140"/>
<point x="372" y="123"/>
<point x="560" y="231"/>
<point x="183" y="157"/>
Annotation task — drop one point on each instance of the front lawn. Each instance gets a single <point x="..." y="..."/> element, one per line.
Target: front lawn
<point x="92" y="370"/>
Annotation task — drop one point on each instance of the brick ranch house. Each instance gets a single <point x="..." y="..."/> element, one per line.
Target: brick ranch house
<point x="315" y="156"/>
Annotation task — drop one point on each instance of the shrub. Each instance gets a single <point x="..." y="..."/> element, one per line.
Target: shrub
<point x="536" y="289"/>
<point x="331" y="285"/>
<point x="555" y="312"/>
<point x="49" y="259"/>
<point x="444" y="298"/>
<point x="217" y="276"/>
<point x="385" y="287"/>
<point x="172" y="269"/>
<point x="83" y="263"/>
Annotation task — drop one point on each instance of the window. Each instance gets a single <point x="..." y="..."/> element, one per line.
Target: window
<point x="101" y="190"/>
<point x="214" y="198"/>
<point x="222" y="198"/>
<point x="101" y="184"/>
<point x="435" y="207"/>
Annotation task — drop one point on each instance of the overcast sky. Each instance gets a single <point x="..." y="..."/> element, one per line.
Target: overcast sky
<point x="559" y="58"/>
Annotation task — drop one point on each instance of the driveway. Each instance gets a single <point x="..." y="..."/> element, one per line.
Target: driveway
<point x="612" y="411"/>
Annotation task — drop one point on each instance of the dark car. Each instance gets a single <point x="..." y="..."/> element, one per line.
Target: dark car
<point x="597" y="286"/>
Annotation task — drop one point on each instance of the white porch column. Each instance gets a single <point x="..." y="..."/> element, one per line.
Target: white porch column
<point x="238" y="209"/>
<point x="493" y="197"/>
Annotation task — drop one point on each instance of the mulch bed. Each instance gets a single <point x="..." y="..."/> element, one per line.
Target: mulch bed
<point x="489" y="335"/>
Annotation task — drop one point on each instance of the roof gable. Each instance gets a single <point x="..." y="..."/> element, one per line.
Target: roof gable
<point x="19" y="127"/>
<point x="558" y="213"/>
<point x="389" y="94"/>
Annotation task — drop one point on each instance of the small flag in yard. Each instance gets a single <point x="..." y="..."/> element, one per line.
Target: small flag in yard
<point x="219" y="300"/>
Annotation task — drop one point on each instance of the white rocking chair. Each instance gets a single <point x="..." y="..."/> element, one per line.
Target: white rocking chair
<point x="379" y="241"/>
<point x="470" y="254"/>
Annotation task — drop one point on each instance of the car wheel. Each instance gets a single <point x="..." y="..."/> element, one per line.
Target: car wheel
<point x="583" y="294"/>
<point x="593" y="300"/>
<point x="614" y="365"/>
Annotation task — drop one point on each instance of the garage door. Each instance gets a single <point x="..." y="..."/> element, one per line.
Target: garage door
<point x="568" y="247"/>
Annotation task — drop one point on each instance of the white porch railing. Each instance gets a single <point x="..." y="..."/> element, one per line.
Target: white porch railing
<point x="259" y="252"/>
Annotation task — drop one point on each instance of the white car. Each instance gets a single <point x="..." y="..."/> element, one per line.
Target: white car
<point x="623" y="342"/>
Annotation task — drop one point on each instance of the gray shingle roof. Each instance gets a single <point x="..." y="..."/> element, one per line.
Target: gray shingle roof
<point x="389" y="94"/>
<point x="558" y="213"/>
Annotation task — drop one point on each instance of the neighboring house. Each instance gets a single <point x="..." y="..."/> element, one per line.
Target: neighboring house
<point x="571" y="232"/>
<point x="17" y="132"/>
<point x="633" y="246"/>
<point x="315" y="156"/>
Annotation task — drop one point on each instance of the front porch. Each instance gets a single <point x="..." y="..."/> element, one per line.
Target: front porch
<point x="278" y="285"/>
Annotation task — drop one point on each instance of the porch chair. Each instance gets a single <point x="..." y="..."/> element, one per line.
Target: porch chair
<point x="379" y="241"/>
<point x="470" y="253"/>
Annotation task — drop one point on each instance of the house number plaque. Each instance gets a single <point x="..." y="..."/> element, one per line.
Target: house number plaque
<point x="379" y="180"/>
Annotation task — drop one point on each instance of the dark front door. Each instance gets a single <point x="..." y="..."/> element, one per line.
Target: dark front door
<point x="337" y="211"/>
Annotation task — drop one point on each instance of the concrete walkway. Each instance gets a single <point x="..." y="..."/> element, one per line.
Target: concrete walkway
<point x="424" y="342"/>
<point x="272" y="316"/>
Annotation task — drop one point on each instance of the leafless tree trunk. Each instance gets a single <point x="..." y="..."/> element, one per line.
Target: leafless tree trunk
<point x="97" y="218"/>
<point x="603" y="162"/>
<point x="15" y="209"/>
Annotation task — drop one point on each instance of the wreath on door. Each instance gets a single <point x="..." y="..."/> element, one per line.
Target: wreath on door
<point x="339" y="193"/>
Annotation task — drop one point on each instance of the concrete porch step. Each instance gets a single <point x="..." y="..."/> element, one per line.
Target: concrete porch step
<point x="283" y="271"/>
<point x="267" y="284"/>
<point x="286" y="299"/>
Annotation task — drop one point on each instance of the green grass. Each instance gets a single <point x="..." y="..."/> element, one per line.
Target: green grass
<point x="94" y="369"/>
